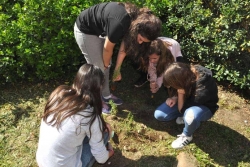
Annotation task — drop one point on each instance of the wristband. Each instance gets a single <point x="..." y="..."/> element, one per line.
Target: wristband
<point x="107" y="66"/>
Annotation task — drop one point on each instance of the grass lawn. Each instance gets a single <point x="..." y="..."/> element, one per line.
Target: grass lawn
<point x="139" y="139"/>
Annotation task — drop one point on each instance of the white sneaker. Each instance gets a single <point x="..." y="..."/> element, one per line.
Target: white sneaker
<point x="180" y="120"/>
<point x="181" y="141"/>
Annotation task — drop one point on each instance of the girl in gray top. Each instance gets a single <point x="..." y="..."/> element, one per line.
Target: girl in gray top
<point x="73" y="132"/>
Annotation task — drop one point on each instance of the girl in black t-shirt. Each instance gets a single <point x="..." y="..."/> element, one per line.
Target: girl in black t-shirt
<point x="193" y="98"/>
<point x="100" y="27"/>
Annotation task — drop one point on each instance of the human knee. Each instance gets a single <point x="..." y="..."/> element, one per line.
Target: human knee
<point x="189" y="116"/>
<point x="159" y="115"/>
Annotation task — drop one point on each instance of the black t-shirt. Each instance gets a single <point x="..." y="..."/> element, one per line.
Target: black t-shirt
<point x="105" y="19"/>
<point x="206" y="91"/>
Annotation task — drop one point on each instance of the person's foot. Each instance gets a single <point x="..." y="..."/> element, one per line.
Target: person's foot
<point x="180" y="120"/>
<point x="105" y="108"/>
<point x="181" y="141"/>
<point x="115" y="99"/>
<point x="141" y="81"/>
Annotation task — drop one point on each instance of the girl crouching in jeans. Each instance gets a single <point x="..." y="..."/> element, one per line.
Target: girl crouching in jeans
<point x="73" y="132"/>
<point x="193" y="97"/>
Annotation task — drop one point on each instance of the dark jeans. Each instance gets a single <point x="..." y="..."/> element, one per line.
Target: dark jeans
<point x="87" y="158"/>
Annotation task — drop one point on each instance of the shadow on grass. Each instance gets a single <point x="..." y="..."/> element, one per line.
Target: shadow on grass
<point x="22" y="98"/>
<point x="118" y="160"/>
<point x="19" y="113"/>
<point x="223" y="144"/>
<point x="244" y="93"/>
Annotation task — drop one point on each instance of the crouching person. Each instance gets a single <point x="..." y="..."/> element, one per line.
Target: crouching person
<point x="193" y="98"/>
<point x="73" y="132"/>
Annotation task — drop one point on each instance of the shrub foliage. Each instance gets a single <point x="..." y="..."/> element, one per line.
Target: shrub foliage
<point x="37" y="40"/>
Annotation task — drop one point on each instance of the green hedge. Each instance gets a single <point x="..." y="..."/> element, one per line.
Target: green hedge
<point x="37" y="40"/>
<point x="215" y="34"/>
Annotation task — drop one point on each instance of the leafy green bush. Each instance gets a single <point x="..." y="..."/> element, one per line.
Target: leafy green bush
<point x="37" y="40"/>
<point x="212" y="33"/>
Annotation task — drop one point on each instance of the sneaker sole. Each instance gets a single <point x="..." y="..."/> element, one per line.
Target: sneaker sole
<point x="185" y="143"/>
<point x="106" y="113"/>
<point x="180" y="123"/>
<point x="114" y="103"/>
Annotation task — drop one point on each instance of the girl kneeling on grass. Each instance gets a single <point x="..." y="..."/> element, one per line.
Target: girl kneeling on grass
<point x="73" y="132"/>
<point x="193" y="98"/>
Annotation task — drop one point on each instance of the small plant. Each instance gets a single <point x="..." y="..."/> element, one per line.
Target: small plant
<point x="114" y="109"/>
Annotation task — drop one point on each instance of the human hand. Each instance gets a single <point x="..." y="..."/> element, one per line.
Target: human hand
<point x="171" y="101"/>
<point x="110" y="149"/>
<point x="107" y="67"/>
<point x="117" y="76"/>
<point x="154" y="87"/>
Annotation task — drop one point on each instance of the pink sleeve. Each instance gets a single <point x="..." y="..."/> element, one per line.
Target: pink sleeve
<point x="175" y="49"/>
<point x="159" y="81"/>
<point x="152" y="73"/>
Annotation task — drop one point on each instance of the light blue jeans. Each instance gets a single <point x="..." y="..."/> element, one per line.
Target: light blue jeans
<point x="87" y="158"/>
<point x="192" y="116"/>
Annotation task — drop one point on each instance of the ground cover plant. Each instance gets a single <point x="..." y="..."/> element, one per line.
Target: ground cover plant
<point x="139" y="139"/>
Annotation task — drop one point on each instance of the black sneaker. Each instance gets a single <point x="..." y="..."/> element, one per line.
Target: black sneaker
<point x="141" y="81"/>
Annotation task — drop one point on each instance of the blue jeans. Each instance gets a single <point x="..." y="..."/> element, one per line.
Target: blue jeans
<point x="87" y="158"/>
<point x="192" y="116"/>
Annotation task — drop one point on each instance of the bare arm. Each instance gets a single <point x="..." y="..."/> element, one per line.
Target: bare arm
<point x="181" y="94"/>
<point x="107" y="52"/>
<point x="121" y="55"/>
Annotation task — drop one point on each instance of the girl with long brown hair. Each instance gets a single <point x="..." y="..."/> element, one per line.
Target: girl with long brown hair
<point x="99" y="28"/>
<point x="193" y="98"/>
<point x="161" y="52"/>
<point x="73" y="131"/>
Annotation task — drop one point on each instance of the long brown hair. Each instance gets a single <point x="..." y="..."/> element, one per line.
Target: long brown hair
<point x="66" y="101"/>
<point x="146" y="24"/>
<point x="179" y="76"/>
<point x="159" y="48"/>
<point x="131" y="9"/>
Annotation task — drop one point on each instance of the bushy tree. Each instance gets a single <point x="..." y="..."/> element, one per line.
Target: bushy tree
<point x="212" y="33"/>
<point x="37" y="40"/>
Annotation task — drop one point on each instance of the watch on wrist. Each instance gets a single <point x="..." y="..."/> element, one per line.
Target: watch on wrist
<point x="107" y="66"/>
